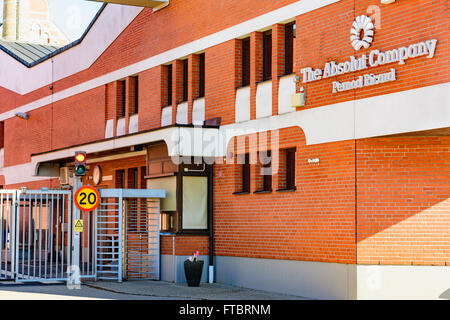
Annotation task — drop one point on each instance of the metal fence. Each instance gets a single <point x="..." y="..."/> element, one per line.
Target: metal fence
<point x="120" y="239"/>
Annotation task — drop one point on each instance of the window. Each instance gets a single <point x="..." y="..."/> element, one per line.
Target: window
<point x="169" y="85"/>
<point x="286" y="170"/>
<point x="185" y="79"/>
<point x="246" y="62"/>
<point x="246" y="173"/>
<point x="195" y="203"/>
<point x="266" y="170"/>
<point x="290" y="169"/>
<point x="201" y="89"/>
<point x="290" y="29"/>
<point x="136" y="95"/>
<point x="132" y="178"/>
<point x="267" y="55"/>
<point x="168" y="205"/>
<point x="121" y="94"/>
<point x="143" y="173"/>
<point x="120" y="179"/>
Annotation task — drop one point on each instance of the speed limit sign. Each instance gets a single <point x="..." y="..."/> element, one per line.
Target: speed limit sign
<point x="87" y="198"/>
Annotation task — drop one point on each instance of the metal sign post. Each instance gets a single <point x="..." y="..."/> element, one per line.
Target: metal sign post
<point x="74" y="274"/>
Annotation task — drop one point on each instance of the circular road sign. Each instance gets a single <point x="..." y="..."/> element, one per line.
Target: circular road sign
<point x="87" y="198"/>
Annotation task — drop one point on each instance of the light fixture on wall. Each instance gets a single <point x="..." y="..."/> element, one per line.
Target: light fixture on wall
<point x="298" y="99"/>
<point x="387" y="1"/>
<point x="22" y="115"/>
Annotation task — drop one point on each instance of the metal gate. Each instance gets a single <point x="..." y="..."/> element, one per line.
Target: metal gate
<point x="7" y="227"/>
<point x="35" y="237"/>
<point x="120" y="239"/>
<point x="128" y="234"/>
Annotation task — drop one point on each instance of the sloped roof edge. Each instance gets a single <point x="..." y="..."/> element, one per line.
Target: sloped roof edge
<point x="57" y="51"/>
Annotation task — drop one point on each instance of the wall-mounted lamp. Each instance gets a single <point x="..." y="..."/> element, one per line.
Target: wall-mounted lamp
<point x="22" y="115"/>
<point x="298" y="99"/>
<point x="387" y="1"/>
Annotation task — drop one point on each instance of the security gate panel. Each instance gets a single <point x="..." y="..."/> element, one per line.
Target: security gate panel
<point x="39" y="230"/>
<point x="141" y="239"/>
<point x="43" y="237"/>
<point x="7" y="233"/>
<point x="108" y="238"/>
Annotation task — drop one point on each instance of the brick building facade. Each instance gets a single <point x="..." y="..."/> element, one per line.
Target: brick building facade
<point x="353" y="201"/>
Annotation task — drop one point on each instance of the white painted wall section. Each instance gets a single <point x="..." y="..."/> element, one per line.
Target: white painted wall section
<point x="166" y="116"/>
<point x="109" y="129"/>
<point x="403" y="282"/>
<point x="198" y="112"/>
<point x="182" y="113"/>
<point x="134" y="124"/>
<point x="264" y="99"/>
<point x="286" y="89"/>
<point x="242" y="104"/>
<point x="120" y="130"/>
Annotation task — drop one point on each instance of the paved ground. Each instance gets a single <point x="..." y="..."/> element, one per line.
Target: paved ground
<point x="206" y="291"/>
<point x="135" y="290"/>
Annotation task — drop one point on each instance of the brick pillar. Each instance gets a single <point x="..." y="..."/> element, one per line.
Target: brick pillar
<point x="237" y="63"/>
<point x="193" y="82"/>
<point x="278" y="54"/>
<point x="256" y="68"/>
<point x="177" y="87"/>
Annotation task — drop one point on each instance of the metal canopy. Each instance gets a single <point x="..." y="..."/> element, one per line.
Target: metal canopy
<point x="140" y="3"/>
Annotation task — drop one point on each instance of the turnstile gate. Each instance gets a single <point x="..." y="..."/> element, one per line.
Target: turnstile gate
<point x="120" y="239"/>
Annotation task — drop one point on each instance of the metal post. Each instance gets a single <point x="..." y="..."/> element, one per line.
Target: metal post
<point x="75" y="268"/>
<point x="120" y="244"/>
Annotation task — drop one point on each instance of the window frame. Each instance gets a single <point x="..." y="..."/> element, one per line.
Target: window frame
<point x="136" y="95"/>
<point x="245" y="62"/>
<point x="122" y="107"/>
<point x="267" y="55"/>
<point x="289" y="43"/>
<point x="169" y="85"/>
<point x="185" y="79"/>
<point x="202" y="74"/>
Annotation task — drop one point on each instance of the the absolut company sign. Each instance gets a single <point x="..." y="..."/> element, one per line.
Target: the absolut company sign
<point x="375" y="58"/>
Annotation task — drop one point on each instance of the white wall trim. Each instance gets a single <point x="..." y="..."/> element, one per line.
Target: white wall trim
<point x="15" y="77"/>
<point x="400" y="282"/>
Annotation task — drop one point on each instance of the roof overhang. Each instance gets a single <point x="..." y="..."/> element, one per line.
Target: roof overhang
<point x="181" y="141"/>
<point x="155" y="4"/>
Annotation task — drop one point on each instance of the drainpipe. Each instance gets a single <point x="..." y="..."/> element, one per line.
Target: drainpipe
<point x="211" y="225"/>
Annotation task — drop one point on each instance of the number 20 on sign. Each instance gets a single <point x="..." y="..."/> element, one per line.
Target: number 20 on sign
<point x="87" y="198"/>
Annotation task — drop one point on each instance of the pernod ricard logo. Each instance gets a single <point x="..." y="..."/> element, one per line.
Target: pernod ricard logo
<point x="362" y="35"/>
<point x="362" y="32"/>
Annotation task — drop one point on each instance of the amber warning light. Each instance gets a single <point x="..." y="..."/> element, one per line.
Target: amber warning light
<point x="80" y="163"/>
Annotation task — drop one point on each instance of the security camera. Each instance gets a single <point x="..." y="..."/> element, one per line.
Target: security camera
<point x="22" y="115"/>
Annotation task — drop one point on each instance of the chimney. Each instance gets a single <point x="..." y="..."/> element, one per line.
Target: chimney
<point x="10" y="20"/>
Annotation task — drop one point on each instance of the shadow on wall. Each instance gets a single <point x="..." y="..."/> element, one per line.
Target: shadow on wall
<point x="445" y="294"/>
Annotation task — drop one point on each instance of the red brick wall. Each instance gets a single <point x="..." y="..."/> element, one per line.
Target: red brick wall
<point x="324" y="35"/>
<point x="403" y="200"/>
<point x="184" y="245"/>
<point x="314" y="223"/>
